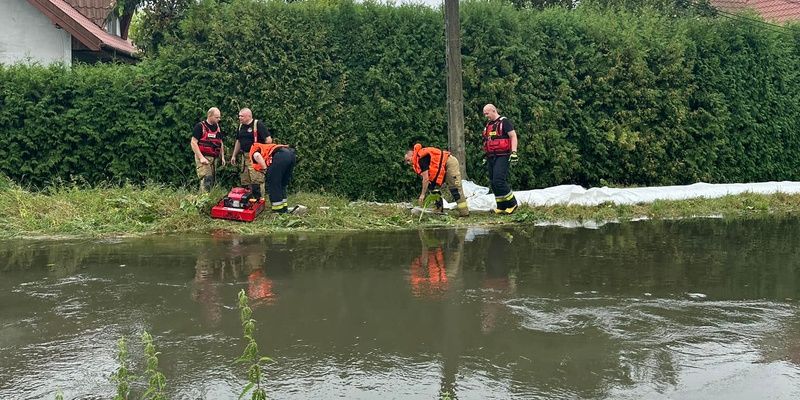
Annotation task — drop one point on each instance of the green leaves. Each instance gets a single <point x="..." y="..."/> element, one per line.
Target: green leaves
<point x="122" y="376"/>
<point x="155" y="379"/>
<point x="595" y="95"/>
<point x="250" y="355"/>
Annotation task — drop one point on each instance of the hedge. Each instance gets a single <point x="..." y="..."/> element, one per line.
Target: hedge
<point x="596" y="97"/>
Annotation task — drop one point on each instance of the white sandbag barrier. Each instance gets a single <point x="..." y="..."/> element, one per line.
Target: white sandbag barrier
<point x="479" y="198"/>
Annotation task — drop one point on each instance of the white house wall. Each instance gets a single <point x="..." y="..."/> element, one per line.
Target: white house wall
<point x="28" y="36"/>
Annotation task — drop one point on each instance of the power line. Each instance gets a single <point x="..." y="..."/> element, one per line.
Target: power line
<point x="742" y="18"/>
<point x="791" y="1"/>
<point x="739" y="18"/>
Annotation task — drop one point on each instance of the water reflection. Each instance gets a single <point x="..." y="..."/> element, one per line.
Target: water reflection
<point x="428" y="271"/>
<point x="497" y="282"/>
<point x="205" y="286"/>
<point x="474" y="313"/>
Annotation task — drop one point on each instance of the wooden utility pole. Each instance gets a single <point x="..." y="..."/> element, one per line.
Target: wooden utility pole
<point x="455" y="96"/>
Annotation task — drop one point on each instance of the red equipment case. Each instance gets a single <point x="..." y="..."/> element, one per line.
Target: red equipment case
<point x="236" y="206"/>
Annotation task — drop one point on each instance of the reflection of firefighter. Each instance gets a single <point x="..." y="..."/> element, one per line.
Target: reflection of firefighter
<point x="497" y="283"/>
<point x="428" y="274"/>
<point x="205" y="290"/>
<point x="437" y="267"/>
<point x="259" y="286"/>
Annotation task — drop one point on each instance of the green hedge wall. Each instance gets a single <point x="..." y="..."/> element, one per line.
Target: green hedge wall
<point x="596" y="96"/>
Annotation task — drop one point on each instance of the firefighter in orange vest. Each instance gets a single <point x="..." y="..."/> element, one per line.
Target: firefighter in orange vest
<point x="500" y="148"/>
<point x="277" y="161"/>
<point x="207" y="146"/>
<point x="437" y="167"/>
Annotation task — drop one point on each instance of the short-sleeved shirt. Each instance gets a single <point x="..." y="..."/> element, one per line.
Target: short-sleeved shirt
<point x="245" y="135"/>
<point x="507" y="125"/>
<point x="197" y="132"/>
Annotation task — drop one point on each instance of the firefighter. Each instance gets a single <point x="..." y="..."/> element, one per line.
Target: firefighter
<point x="207" y="146"/>
<point x="205" y="286"/>
<point x="277" y="161"/>
<point x="250" y="131"/>
<point x="437" y="167"/>
<point x="428" y="273"/>
<point x="500" y="148"/>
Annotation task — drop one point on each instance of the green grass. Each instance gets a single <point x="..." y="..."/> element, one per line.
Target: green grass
<point x="74" y="211"/>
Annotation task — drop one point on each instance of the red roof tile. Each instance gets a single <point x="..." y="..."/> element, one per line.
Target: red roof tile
<point x="770" y="10"/>
<point x="96" y="10"/>
<point x="81" y="28"/>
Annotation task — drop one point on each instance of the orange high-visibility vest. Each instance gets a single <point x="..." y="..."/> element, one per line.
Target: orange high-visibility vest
<point x="266" y="151"/>
<point x="436" y="169"/>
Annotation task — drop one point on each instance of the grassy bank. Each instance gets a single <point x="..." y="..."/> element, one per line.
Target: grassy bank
<point x="71" y="211"/>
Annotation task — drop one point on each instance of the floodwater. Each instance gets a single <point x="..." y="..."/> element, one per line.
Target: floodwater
<point x="700" y="309"/>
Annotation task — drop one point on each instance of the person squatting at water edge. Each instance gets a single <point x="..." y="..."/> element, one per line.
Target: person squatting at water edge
<point x="277" y="161"/>
<point x="207" y="146"/>
<point x="436" y="167"/>
<point x="500" y="151"/>
<point x="250" y="131"/>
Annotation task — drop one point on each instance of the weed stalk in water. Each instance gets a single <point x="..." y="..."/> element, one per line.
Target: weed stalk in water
<point x="122" y="376"/>
<point x="250" y="355"/>
<point x="155" y="379"/>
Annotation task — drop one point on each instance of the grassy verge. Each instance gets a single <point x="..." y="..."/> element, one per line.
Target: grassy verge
<point x="71" y="211"/>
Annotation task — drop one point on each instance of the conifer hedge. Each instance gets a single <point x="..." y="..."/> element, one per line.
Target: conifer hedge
<point x="595" y="96"/>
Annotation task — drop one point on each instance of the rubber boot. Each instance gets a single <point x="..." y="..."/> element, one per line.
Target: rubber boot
<point x="255" y="192"/>
<point x="463" y="210"/>
<point x="438" y="207"/>
<point x="206" y="183"/>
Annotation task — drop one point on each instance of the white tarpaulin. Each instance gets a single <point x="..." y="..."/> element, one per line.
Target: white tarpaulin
<point x="479" y="198"/>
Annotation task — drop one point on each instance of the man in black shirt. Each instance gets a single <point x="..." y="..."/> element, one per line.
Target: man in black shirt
<point x="207" y="146"/>
<point x="500" y="148"/>
<point x="250" y="131"/>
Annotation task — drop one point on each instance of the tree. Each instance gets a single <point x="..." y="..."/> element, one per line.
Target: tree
<point x="159" y="20"/>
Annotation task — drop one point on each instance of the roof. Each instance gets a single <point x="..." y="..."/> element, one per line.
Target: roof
<point x="770" y="10"/>
<point x="96" y="10"/>
<point x="81" y="27"/>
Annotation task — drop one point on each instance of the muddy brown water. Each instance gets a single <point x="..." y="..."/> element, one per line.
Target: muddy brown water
<point x="700" y="309"/>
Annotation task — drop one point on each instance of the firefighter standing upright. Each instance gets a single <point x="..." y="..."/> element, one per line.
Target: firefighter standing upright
<point x="250" y="131"/>
<point x="207" y="146"/>
<point x="500" y="148"/>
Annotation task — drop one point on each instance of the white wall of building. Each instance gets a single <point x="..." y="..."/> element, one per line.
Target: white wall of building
<point x="28" y="36"/>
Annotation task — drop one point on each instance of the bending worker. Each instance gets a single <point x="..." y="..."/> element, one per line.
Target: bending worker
<point x="500" y="148"/>
<point x="436" y="167"/>
<point x="207" y="146"/>
<point x="277" y="161"/>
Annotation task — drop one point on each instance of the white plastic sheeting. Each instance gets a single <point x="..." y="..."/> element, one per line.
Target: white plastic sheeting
<point x="479" y="198"/>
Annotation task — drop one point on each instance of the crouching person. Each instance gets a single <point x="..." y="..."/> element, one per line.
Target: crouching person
<point x="277" y="161"/>
<point x="437" y="167"/>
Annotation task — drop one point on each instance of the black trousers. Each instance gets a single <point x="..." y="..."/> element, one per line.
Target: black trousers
<point x="279" y="174"/>
<point x="498" y="167"/>
<point x="498" y="174"/>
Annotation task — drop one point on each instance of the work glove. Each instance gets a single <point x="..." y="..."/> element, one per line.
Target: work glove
<point x="514" y="157"/>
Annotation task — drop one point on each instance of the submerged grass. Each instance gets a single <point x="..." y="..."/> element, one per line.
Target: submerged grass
<point x="71" y="210"/>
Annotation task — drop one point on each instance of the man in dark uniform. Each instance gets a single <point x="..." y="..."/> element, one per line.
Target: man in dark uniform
<point x="250" y="131"/>
<point x="278" y="161"/>
<point x="500" y="148"/>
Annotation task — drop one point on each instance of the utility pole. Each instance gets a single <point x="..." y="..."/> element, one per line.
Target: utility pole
<point x="455" y="96"/>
